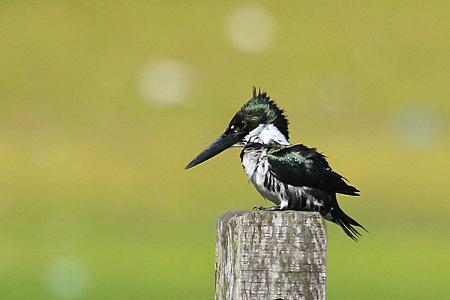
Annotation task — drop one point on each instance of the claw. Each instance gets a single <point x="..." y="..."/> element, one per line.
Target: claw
<point x="273" y="208"/>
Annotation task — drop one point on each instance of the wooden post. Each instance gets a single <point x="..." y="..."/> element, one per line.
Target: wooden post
<point x="270" y="255"/>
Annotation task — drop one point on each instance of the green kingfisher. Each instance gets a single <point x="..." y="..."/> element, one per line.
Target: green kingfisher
<point x="293" y="177"/>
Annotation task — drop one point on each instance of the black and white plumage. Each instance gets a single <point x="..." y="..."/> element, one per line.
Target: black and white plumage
<point x="291" y="176"/>
<point x="298" y="178"/>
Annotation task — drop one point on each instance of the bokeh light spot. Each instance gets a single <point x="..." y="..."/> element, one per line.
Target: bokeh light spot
<point x="68" y="277"/>
<point x="251" y="28"/>
<point x="166" y="82"/>
<point x="417" y="125"/>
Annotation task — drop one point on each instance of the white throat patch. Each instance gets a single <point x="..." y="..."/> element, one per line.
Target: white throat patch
<point x="265" y="133"/>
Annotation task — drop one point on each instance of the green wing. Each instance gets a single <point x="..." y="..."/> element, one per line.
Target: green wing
<point x="302" y="166"/>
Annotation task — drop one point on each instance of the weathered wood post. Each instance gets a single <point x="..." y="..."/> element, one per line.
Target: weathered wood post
<point x="270" y="255"/>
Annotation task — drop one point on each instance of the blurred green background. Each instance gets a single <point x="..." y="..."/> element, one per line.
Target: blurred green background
<point x="102" y="103"/>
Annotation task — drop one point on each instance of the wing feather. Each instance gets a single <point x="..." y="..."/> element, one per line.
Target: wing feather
<point x="299" y="165"/>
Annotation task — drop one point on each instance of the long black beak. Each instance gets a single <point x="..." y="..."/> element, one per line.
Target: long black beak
<point x="224" y="142"/>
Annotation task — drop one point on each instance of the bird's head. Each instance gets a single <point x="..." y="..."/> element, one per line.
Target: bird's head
<point x="258" y="121"/>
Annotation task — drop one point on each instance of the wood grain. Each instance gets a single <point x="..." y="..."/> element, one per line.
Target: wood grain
<point x="270" y="255"/>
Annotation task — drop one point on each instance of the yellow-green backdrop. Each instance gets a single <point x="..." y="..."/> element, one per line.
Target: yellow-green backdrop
<point x="102" y="103"/>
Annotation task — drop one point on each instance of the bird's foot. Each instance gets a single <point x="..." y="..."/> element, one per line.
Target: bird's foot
<point x="273" y="208"/>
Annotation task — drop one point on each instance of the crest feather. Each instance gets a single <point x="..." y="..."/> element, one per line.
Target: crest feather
<point x="261" y="104"/>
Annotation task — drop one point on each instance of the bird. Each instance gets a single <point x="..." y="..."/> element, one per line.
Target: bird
<point x="291" y="176"/>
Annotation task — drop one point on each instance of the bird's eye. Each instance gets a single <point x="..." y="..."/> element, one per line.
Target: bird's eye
<point x="233" y="128"/>
<point x="236" y="127"/>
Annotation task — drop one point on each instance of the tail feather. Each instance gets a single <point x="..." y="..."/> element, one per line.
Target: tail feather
<point x="347" y="223"/>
